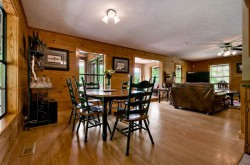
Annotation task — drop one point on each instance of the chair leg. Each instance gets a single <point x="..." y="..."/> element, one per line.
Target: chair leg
<point x="110" y="108"/>
<point x="109" y="127"/>
<point x="118" y="106"/>
<point x="86" y="129"/>
<point x="71" y="115"/>
<point x="128" y="140"/>
<point x="112" y="134"/>
<point x="74" y="119"/>
<point x="98" y="118"/>
<point x="79" y="124"/>
<point x="150" y="136"/>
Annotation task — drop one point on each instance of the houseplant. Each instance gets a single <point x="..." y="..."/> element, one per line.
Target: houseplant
<point x="108" y="75"/>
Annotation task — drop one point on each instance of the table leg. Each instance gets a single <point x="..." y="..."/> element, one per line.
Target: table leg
<point x="232" y="98"/>
<point x="159" y="96"/>
<point x="104" y="120"/>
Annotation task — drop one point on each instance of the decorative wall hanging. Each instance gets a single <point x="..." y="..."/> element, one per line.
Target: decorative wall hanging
<point x="121" y="65"/>
<point x="56" y="59"/>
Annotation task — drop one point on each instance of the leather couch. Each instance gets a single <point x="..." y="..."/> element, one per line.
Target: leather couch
<point x="198" y="97"/>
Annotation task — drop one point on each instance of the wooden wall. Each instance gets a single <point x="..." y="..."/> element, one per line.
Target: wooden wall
<point x="235" y="78"/>
<point x="56" y="40"/>
<point x="12" y="123"/>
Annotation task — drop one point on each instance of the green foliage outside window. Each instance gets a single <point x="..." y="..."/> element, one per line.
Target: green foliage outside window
<point x="155" y="73"/>
<point x="178" y="73"/>
<point x="137" y="75"/>
<point x="218" y="73"/>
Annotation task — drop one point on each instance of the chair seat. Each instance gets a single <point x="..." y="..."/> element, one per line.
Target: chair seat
<point x="84" y="112"/>
<point x="93" y="100"/>
<point x="96" y="109"/>
<point x="79" y="105"/>
<point x="132" y="117"/>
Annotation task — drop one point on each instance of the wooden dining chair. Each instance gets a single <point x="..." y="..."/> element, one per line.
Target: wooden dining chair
<point x="75" y="105"/>
<point x="90" y="113"/>
<point x="136" y="111"/>
<point x="121" y="103"/>
<point x="93" y="85"/>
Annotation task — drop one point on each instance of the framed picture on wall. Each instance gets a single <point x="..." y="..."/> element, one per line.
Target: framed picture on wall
<point x="56" y="59"/>
<point x="239" y="67"/>
<point x="121" y="65"/>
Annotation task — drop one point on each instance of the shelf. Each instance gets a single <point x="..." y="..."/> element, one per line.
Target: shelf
<point x="38" y="54"/>
<point x="42" y="88"/>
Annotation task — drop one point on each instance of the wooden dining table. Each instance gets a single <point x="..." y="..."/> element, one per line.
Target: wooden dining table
<point x="106" y="96"/>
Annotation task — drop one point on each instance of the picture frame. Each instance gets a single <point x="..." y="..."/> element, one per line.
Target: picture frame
<point x="56" y="59"/>
<point x="121" y="65"/>
<point x="239" y="67"/>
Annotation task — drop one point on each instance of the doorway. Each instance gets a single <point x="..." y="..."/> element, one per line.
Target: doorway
<point x="91" y="67"/>
<point x="147" y="69"/>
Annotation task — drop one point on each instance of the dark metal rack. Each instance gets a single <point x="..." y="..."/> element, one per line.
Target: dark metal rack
<point x="41" y="107"/>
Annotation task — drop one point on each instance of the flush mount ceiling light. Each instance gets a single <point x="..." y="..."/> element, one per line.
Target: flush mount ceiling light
<point x="111" y="14"/>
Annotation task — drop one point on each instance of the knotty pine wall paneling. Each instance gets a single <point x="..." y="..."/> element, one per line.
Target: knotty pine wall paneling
<point x="17" y="82"/>
<point x="235" y="78"/>
<point x="71" y="43"/>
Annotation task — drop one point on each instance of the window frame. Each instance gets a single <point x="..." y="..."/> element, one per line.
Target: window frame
<point x="211" y="76"/>
<point x="176" y="73"/>
<point x="157" y="78"/>
<point x="3" y="60"/>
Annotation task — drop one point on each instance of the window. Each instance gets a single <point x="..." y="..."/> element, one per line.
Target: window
<point x="218" y="73"/>
<point x="91" y="68"/>
<point x="2" y="63"/>
<point x="155" y="73"/>
<point x="178" y="73"/>
<point x="81" y="68"/>
<point x="101" y="71"/>
<point x="137" y="75"/>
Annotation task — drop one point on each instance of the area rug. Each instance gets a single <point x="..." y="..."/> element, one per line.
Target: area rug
<point x="236" y="104"/>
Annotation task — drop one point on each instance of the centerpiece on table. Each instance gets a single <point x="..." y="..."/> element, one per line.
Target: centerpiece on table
<point x="108" y="75"/>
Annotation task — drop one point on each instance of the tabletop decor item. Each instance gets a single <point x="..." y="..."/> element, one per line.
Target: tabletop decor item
<point x="108" y="75"/>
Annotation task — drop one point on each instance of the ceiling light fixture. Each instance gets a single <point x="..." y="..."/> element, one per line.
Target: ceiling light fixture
<point x="227" y="51"/>
<point x="111" y="14"/>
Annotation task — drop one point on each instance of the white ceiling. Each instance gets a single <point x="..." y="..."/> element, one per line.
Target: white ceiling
<point x="187" y="29"/>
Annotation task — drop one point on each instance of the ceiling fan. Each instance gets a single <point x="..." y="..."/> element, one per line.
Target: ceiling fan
<point x="229" y="48"/>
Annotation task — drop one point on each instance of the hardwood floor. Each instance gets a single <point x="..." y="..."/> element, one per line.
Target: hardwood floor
<point x="180" y="136"/>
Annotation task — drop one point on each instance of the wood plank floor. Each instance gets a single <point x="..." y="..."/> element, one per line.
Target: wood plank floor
<point x="181" y="138"/>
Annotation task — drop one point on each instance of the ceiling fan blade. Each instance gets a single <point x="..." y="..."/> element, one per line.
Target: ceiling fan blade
<point x="234" y="48"/>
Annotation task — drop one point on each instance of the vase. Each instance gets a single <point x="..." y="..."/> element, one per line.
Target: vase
<point x="108" y="83"/>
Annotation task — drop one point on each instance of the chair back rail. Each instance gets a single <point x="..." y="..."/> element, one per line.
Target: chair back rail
<point x="92" y="85"/>
<point x="71" y="92"/>
<point x="81" y="90"/>
<point x="139" y="96"/>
